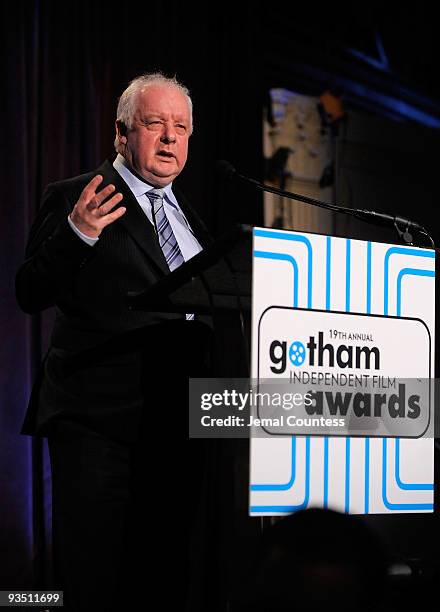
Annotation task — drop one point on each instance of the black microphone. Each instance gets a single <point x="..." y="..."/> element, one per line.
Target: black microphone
<point x="372" y="215"/>
<point x="227" y="172"/>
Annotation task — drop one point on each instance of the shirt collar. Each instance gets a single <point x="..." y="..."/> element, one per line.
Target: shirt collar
<point x="137" y="185"/>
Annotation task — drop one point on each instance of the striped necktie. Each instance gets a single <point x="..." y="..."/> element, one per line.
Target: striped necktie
<point x="164" y="231"/>
<point x="167" y="240"/>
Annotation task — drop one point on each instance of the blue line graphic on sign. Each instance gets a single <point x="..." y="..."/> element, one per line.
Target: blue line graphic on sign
<point x="294" y="238"/>
<point x="300" y="506"/>
<point x="283" y="257"/>
<point x="289" y="484"/>
<point x="406" y="272"/>
<point x="408" y="486"/>
<point x="400" y="251"/>
<point x="387" y="503"/>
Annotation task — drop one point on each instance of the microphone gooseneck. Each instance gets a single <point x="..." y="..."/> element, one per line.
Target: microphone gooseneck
<point x="227" y="172"/>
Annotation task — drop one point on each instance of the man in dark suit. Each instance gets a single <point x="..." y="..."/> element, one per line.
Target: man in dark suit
<point x="104" y="393"/>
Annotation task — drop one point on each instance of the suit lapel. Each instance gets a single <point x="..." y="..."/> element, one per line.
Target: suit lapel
<point x="134" y="220"/>
<point x="140" y="229"/>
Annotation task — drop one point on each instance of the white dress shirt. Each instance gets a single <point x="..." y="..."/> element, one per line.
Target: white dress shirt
<point x="189" y="246"/>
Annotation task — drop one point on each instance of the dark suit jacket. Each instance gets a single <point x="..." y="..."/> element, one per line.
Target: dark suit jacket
<point x="104" y="360"/>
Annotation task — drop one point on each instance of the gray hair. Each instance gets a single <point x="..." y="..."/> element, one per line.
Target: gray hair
<point x="128" y="101"/>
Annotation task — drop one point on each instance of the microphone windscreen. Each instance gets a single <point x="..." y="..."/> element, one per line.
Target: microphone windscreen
<point x="225" y="170"/>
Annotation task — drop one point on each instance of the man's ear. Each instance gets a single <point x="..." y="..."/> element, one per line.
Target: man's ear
<point x="121" y="131"/>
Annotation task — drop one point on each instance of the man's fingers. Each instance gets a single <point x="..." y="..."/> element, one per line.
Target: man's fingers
<point x="107" y="219"/>
<point x="90" y="214"/>
<point x="103" y="194"/>
<point x="106" y="208"/>
<point x="96" y="199"/>
<point x="89" y="190"/>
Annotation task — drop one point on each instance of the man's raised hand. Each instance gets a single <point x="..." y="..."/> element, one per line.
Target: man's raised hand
<point x="92" y="211"/>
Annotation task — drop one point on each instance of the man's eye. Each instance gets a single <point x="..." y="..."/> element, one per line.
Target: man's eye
<point x="181" y="129"/>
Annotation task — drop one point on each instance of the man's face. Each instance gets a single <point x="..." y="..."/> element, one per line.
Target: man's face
<point x="157" y="143"/>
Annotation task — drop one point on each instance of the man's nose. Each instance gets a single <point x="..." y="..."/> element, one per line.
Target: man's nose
<point x="168" y="134"/>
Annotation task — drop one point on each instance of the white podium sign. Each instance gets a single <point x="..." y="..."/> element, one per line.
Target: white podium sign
<point x="338" y="306"/>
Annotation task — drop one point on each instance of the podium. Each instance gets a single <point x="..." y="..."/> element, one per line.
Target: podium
<point x="360" y="294"/>
<point x="217" y="279"/>
<point x="373" y="283"/>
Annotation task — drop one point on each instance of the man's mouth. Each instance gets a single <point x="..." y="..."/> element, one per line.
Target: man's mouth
<point x="166" y="154"/>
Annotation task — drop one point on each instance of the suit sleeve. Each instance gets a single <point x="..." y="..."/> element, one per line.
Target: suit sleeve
<point x="54" y="256"/>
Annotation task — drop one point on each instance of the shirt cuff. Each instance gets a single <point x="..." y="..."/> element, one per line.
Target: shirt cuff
<point x="87" y="239"/>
